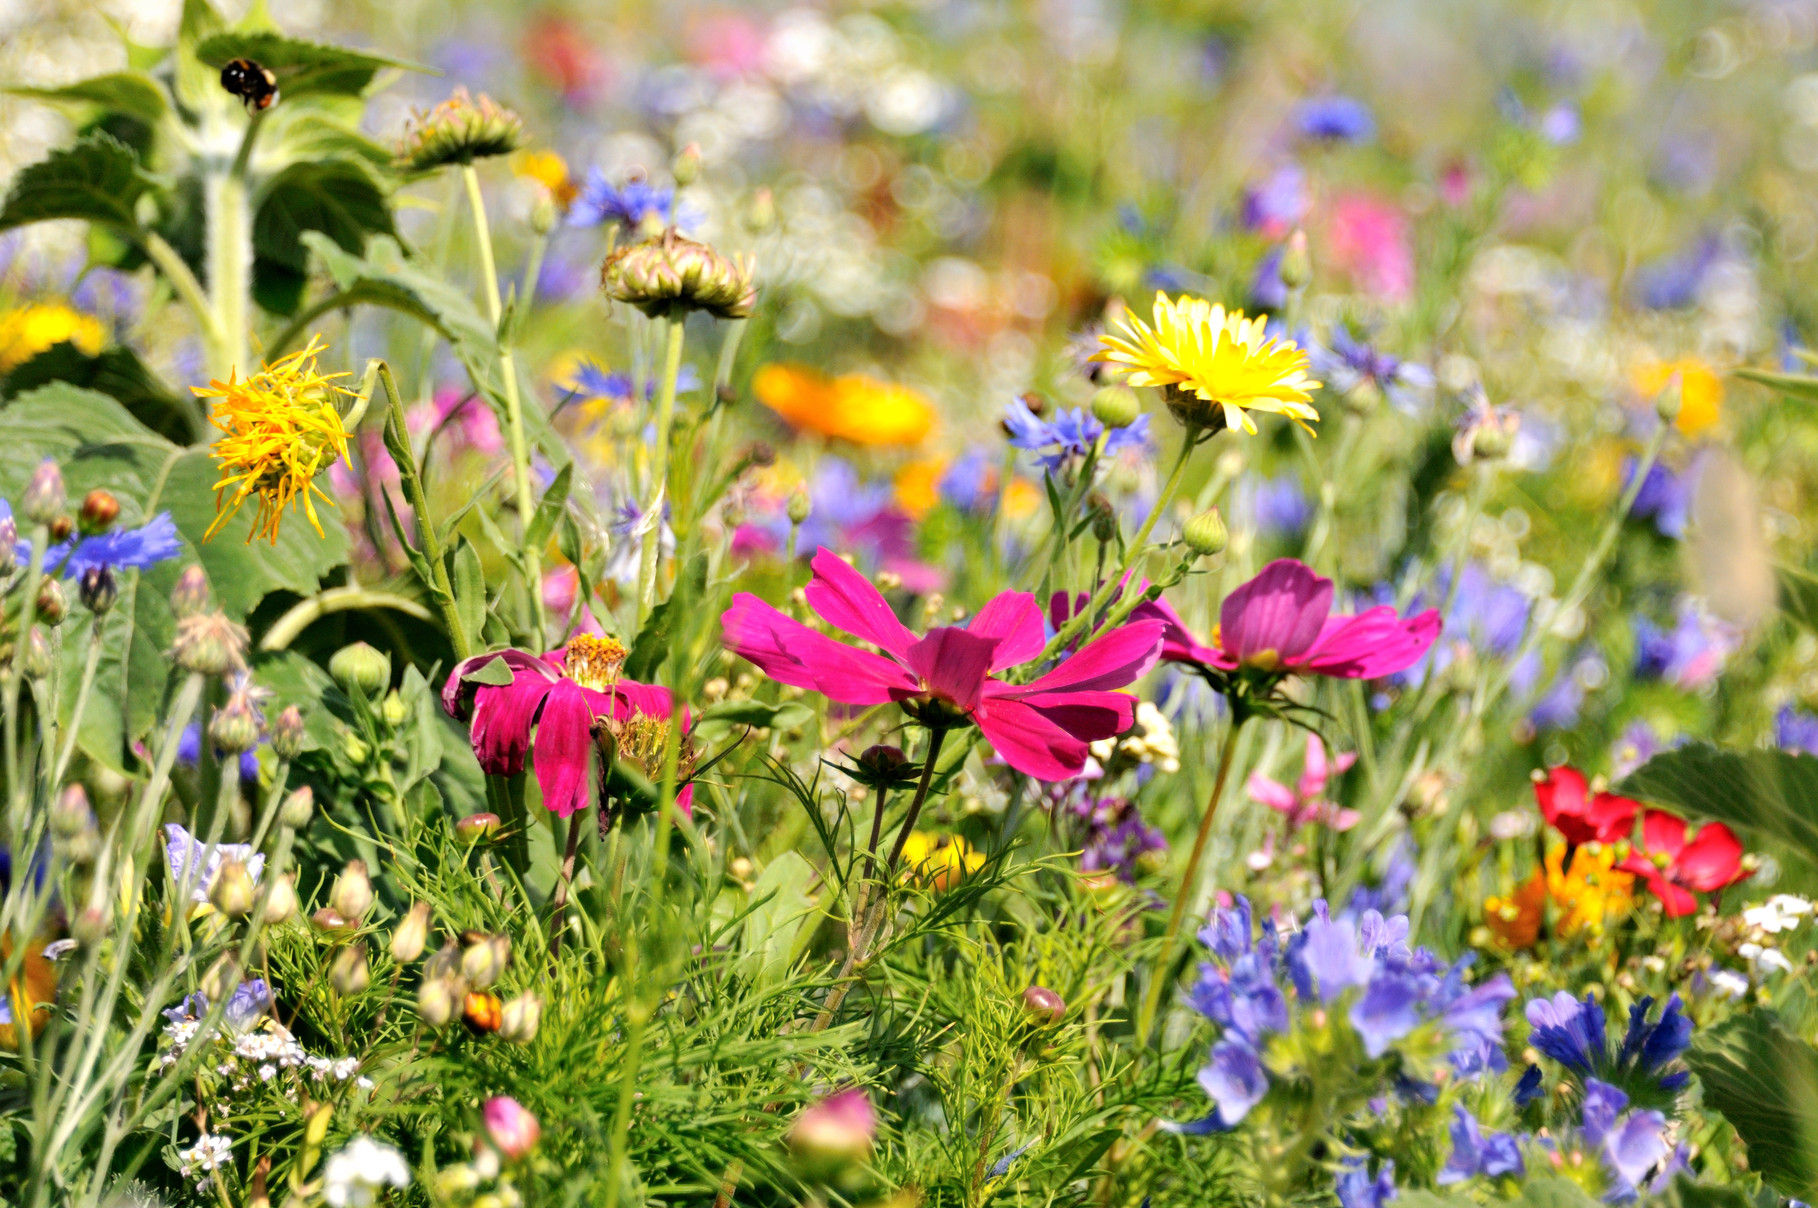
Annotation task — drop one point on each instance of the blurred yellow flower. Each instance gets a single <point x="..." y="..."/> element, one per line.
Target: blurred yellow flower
<point x="280" y="429"/>
<point x="1515" y="919"/>
<point x="1021" y="498"/>
<point x="918" y="487"/>
<point x="26" y="331"/>
<point x="1700" y="391"/>
<point x="855" y="407"/>
<point x="549" y="170"/>
<point x="939" y="861"/>
<point x="1218" y="365"/>
<point x="1590" y="891"/>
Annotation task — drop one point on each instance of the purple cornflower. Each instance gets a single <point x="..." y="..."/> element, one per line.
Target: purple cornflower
<point x="1279" y="204"/>
<point x="1356" y="1189"/>
<point x="633" y="205"/>
<point x="1475" y="1152"/>
<point x="1334" y="119"/>
<point x="1277" y="506"/>
<point x="1347" y="363"/>
<point x="1796" y="730"/>
<point x="1665" y="498"/>
<point x="1689" y="656"/>
<point x="1069" y="435"/>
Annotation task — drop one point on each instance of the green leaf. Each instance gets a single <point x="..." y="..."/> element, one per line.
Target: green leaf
<point x="385" y="277"/>
<point x="469" y="583"/>
<point x="651" y="647"/>
<point x="774" y="929"/>
<point x="1795" y="385"/>
<point x="496" y="672"/>
<point x="302" y="67"/>
<point x="1798" y="595"/>
<point x="1770" y="793"/>
<point x="96" y="178"/>
<point x="294" y="679"/>
<point x="336" y="197"/>
<point x="118" y="373"/>
<point x="755" y="713"/>
<point x="549" y="509"/>
<point x="1765" y="1082"/>
<point x="132" y="93"/>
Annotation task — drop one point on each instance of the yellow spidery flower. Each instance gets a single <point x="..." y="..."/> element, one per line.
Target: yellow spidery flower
<point x="1216" y="366"/>
<point x="281" y="429"/>
<point x="1590" y="891"/>
<point x="26" y="331"/>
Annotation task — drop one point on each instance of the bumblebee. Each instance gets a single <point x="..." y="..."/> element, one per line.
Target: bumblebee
<point x="253" y="84"/>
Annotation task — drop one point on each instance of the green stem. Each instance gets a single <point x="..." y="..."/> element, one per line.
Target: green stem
<point x="188" y="289"/>
<point x="412" y="482"/>
<point x="659" y="472"/>
<point x="351" y="598"/>
<point x="621" y="1124"/>
<point x="229" y="259"/>
<point x="15" y="676"/>
<point x="1189" y="884"/>
<point x="91" y="663"/>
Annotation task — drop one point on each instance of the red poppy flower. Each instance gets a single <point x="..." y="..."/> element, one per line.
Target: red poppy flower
<point x="1673" y="868"/>
<point x="1570" y="808"/>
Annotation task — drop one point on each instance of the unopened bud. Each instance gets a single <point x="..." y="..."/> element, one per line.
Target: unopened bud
<point x="61" y="528"/>
<point x="351" y="896"/>
<point x="1043" y="1006"/>
<point x="281" y="901"/>
<point x="1296" y="267"/>
<point x="190" y="596"/>
<point x="71" y="815"/>
<point x="1206" y="534"/>
<point x="521" y="1018"/>
<point x="355" y="748"/>
<point x="235" y="726"/>
<point x="52" y="606"/>
<point x="44" y="495"/>
<point x="1104" y="517"/>
<point x="544" y="213"/>
<point x="9" y="544"/>
<point x="98" y="589"/>
<point x="438" y="998"/>
<point x="760" y="215"/>
<point x="1670" y="399"/>
<point x="37" y="654"/>
<point x="286" y="734"/>
<point x="393" y="711"/>
<point x="361" y="667"/>
<point x="298" y="808"/>
<point x="800" y="505"/>
<point x="231" y="892"/>
<point x="687" y="166"/>
<point x="411" y="935"/>
<point x="761" y="454"/>
<point x="1116" y="406"/>
<point x="349" y="973"/>
<point x="332" y="922"/>
<point x="1492" y="442"/>
<point x="831" y="1137"/>
<point x="91" y="925"/>
<point x="484" y="959"/>
<point x="222" y="978"/>
<point x="98" y="512"/>
<point x="476" y="827"/>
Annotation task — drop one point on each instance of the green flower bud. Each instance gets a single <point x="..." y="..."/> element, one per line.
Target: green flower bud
<point x="544" y="214"/>
<point x="439" y="1000"/>
<point x="1116" y="406"/>
<point x="37" y="654"/>
<point x="361" y="667"/>
<point x="91" y="924"/>
<point x="760" y="215"/>
<point x="236" y="724"/>
<point x="190" y="596"/>
<point x="393" y="711"/>
<point x="44" y="496"/>
<point x="349" y="974"/>
<point x="298" y="808"/>
<point x="331" y="922"/>
<point x="1670" y="399"/>
<point x="71" y="814"/>
<point x="476" y="827"/>
<point x="52" y="606"/>
<point x="522" y="1016"/>
<point x="1296" y="267"/>
<point x="231" y="892"/>
<point x="687" y="166"/>
<point x="484" y="959"/>
<point x="281" y="901"/>
<point x="286" y="734"/>
<point x="411" y="935"/>
<point x="1206" y="534"/>
<point x="668" y="273"/>
<point x="351" y="896"/>
<point x="222" y="978"/>
<point x="800" y="505"/>
<point x="355" y="748"/>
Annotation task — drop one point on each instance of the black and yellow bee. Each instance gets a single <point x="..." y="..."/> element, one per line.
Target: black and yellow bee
<point x="253" y="84"/>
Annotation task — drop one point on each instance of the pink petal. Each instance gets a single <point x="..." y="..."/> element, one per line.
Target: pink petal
<point x="684" y="800"/>
<point x="1016" y="620"/>
<point x="564" y="756"/>
<point x="502" y="716"/>
<point x="1313" y="779"/>
<point x="1343" y="820"/>
<point x="953" y="663"/>
<point x="456" y="689"/>
<point x="1062" y="605"/>
<point x="1120" y="657"/>
<point x="1178" y="644"/>
<point x="1088" y="716"/>
<point x="847" y="599"/>
<point x="1272" y="793"/>
<point x="791" y="653"/>
<point x="1281" y="609"/>
<point x="1372" y="644"/>
<point x="1028" y="741"/>
<point x="1712" y="860"/>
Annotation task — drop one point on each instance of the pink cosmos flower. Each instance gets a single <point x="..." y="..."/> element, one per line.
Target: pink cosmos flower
<point x="1281" y="621"/>
<point x="1306" y="802"/>
<point x="559" y="695"/>
<point x="510" y="1126"/>
<point x="946" y="678"/>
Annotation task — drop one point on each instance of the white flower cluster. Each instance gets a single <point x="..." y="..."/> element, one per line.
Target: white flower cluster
<point x="354" y="1177"/>
<point x="1152" y="742"/>
<point x="210" y="1152"/>
<point x="1776" y="916"/>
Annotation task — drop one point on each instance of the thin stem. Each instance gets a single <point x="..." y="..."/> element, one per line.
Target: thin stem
<point x="1189" y="883"/>
<point x="659" y="472"/>
<point x="567" y="877"/>
<point x="15" y="675"/>
<point x="440" y="587"/>
<point x="90" y="664"/>
<point x="188" y="289"/>
<point x="305" y="613"/>
<point x="621" y="1123"/>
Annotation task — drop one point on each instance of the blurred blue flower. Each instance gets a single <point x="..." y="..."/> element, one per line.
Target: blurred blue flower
<point x="1268" y="292"/>
<point x="1356" y="1189"/>
<point x="1276" y="507"/>
<point x="122" y="549"/>
<point x="970" y="482"/>
<point x="1279" y="204"/>
<point x="1340" y="119"/>
<point x="1691" y="654"/>
<point x="1665" y="497"/>
<point x="1796" y="730"/>
<point x="1346" y="363"/>
<point x="1475" y="1152"/>
<point x="1069" y="434"/>
<point x="1631" y="1147"/>
<point x="634" y="204"/>
<point x="1673" y="282"/>
<point x="593" y="380"/>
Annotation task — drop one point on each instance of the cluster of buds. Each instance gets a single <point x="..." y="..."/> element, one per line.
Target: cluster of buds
<point x="1485" y="433"/>
<point x="459" y="979"/>
<point x="458" y="131"/>
<point x="206" y="643"/>
<point x="668" y="274"/>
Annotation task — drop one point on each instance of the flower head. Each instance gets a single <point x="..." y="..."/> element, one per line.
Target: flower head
<point x="1335" y="118"/>
<point x="26" y="331"/>
<point x="1356" y="1189"/>
<point x="667" y="274"/>
<point x="549" y="170"/>
<point x="1589" y="891"/>
<point x="1218" y="366"/>
<point x="281" y="429"/>
<point x="1069" y="435"/>
<point x="458" y="131"/>
<point x="1475" y="1152"/>
<point x="354" y="1177"/>
<point x="1569" y="806"/>
<point x="855" y="407"/>
<point x="1306" y="801"/>
<point x="194" y="865"/>
<point x="639" y="206"/>
<point x="510" y="1127"/>
<point x="1676" y="869"/>
<point x="1515" y="919"/>
<point x="947" y="677"/>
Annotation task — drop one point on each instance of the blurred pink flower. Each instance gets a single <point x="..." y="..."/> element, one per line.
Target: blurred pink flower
<point x="1368" y="238"/>
<point x="727" y="43"/>
<point x="1306" y="802"/>
<point x="470" y="421"/>
<point x="510" y="1126"/>
<point x="559" y="588"/>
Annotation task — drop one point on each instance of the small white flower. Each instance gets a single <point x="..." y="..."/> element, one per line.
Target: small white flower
<point x="209" y="1153"/>
<point x="1764" y="958"/>
<point x="1731" y="983"/>
<point x="354" y="1177"/>
<point x="1781" y="912"/>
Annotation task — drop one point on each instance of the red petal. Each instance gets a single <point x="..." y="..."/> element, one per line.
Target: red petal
<point x="1662" y="833"/>
<point x="1677" y="901"/>
<point x="1712" y="860"/>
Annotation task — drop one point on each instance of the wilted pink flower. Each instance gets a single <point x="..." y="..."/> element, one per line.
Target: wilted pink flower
<point x="1306" y="801"/>
<point x="510" y="1127"/>
<point x="1281" y="621"/>
<point x="946" y="678"/>
<point x="1368" y="239"/>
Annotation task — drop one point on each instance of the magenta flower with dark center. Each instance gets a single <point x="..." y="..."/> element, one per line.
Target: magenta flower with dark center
<point x="948" y="677"/>
<point x="1281" y="622"/>
<point x="558" y="696"/>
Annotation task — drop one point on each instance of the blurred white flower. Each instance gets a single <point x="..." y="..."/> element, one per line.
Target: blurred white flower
<point x="1781" y="912"/>
<point x="209" y="1153"/>
<point x="355" y="1176"/>
<point x="1765" y="958"/>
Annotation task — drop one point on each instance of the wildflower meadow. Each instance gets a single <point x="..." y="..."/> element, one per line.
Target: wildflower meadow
<point x="880" y="603"/>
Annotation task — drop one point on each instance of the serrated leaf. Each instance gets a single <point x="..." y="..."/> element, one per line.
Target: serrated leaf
<point x="1765" y="1082"/>
<point x="97" y="178"/>
<point x="1795" y="385"/>
<point x="468" y="580"/>
<point x="549" y="508"/>
<point x="116" y="372"/>
<point x="132" y="93"/>
<point x="335" y="197"/>
<point x="302" y="67"/>
<point x="1768" y="793"/>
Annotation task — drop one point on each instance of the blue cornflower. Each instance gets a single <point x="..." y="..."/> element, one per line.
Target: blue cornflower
<point x="634" y="204"/>
<point x="1338" y="119"/>
<point x="1475" y="1152"/>
<point x="1277" y="506"/>
<point x="1673" y="282"/>
<point x="1572" y="1033"/>
<point x="1632" y="1147"/>
<point x="1069" y="434"/>
<point x="1664" y="497"/>
<point x="593" y="380"/>
<point x="121" y="549"/>
<point x="1356" y="1189"/>
<point x="1350" y="364"/>
<point x="1796" y="730"/>
<point x="970" y="483"/>
<point x="1567" y="1030"/>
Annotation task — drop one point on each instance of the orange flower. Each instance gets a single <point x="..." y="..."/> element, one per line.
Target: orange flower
<point x="1591" y="891"/>
<point x="31" y="992"/>
<point x="1515" y="920"/>
<point x="1700" y="391"/>
<point x="855" y="407"/>
<point x="918" y="487"/>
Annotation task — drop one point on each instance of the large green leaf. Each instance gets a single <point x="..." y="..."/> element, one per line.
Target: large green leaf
<point x="780" y="924"/>
<point x="97" y="178"/>
<point x="118" y="373"/>
<point x="1765" y="1082"/>
<point x="100" y="445"/>
<point x="132" y="93"/>
<point x="386" y="277"/>
<point x="301" y="67"/>
<point x="1771" y="793"/>
<point x="337" y="198"/>
<point x="1796" y="385"/>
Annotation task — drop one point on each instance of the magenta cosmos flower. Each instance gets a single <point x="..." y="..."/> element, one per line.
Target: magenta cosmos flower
<point x="1281" y="621"/>
<point x="946" y="678"/>
<point x="559" y="695"/>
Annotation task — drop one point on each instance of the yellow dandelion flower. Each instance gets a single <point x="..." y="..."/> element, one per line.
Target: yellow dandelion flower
<point x="280" y="429"/>
<point x="939" y="862"/>
<point x="1216" y="366"/>
<point x="26" y="331"/>
<point x="1590" y="891"/>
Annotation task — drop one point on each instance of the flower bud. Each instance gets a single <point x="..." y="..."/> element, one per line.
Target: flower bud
<point x="52" y="606"/>
<point x="286" y="734"/>
<point x="361" y="667"/>
<point x="351" y="896"/>
<point x="393" y="711"/>
<point x="222" y="978"/>
<point x="44" y="495"/>
<point x="667" y="273"/>
<point x="332" y="922"/>
<point x="1670" y="399"/>
<point x="91" y="924"/>
<point x="1296" y="268"/>
<point x="760" y="215"/>
<point x="521" y="1018"/>
<point x="298" y="808"/>
<point x="477" y="827"/>
<point x="1363" y="398"/>
<point x="1104" y="517"/>
<point x="1043" y="1006"/>
<point x="1116" y="406"/>
<point x="236" y="724"/>
<point x="544" y="214"/>
<point x="349" y="973"/>
<point x="355" y="748"/>
<point x="687" y="166"/>
<point x="281" y="901"/>
<point x="458" y="131"/>
<point x="444" y="962"/>
<point x="438" y="998"/>
<point x="482" y="1012"/>
<point x="484" y="959"/>
<point x="1206" y="534"/>
<point x="71" y="814"/>
<point x="209" y="644"/>
<point x="456" y="1183"/>
<point x="37" y="654"/>
<point x="61" y="528"/>
<point x="98" y="589"/>
<point x="231" y="892"/>
<point x="799" y="505"/>
<point x="98" y="512"/>
<point x="833" y="1136"/>
<point x="190" y="596"/>
<point x="511" y="1129"/>
<point x="411" y="934"/>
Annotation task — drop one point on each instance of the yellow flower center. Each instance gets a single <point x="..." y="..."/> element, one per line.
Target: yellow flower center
<point x="1263" y="660"/>
<point x="593" y="662"/>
